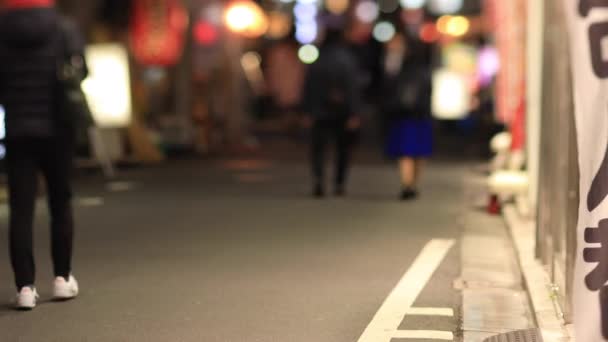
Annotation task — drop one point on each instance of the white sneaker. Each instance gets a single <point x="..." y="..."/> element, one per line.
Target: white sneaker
<point x="26" y="298"/>
<point x="63" y="289"/>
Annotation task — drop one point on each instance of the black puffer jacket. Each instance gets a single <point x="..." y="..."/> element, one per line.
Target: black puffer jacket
<point x="332" y="89"/>
<point x="29" y="47"/>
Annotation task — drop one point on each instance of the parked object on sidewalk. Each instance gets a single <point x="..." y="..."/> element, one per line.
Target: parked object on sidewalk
<point x="508" y="179"/>
<point x="40" y="131"/>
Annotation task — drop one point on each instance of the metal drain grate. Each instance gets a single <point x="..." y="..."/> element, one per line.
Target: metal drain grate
<point x="531" y="335"/>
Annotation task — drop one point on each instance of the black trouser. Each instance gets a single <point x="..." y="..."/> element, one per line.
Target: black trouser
<point x="323" y="132"/>
<point x="53" y="159"/>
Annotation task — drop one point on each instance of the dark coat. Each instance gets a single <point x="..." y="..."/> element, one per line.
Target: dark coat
<point x="32" y="44"/>
<point x="332" y="90"/>
<point x="407" y="95"/>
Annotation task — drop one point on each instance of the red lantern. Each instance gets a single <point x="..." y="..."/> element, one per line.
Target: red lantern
<point x="158" y="31"/>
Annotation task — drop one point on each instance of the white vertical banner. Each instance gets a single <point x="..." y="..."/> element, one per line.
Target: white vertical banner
<point x="588" y="26"/>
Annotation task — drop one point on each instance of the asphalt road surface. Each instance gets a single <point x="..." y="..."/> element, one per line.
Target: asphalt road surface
<point x="236" y="250"/>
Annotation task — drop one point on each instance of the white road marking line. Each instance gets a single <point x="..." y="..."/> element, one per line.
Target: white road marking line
<point x="90" y="201"/>
<point x="443" y="312"/>
<point x="385" y="323"/>
<point x="424" y="335"/>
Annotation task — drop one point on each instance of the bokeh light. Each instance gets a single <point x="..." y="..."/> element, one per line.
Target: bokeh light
<point x="305" y="12"/>
<point x="413" y="4"/>
<point x="251" y="60"/>
<point x="367" y="11"/>
<point x="384" y="31"/>
<point x="205" y="33"/>
<point x="337" y="6"/>
<point x="458" y="26"/>
<point x="446" y="6"/>
<point x="279" y="25"/>
<point x="308" y="54"/>
<point x="488" y="65"/>
<point x="454" y="26"/>
<point x="429" y="33"/>
<point x="307" y="33"/>
<point x="246" y="18"/>
<point x="451" y="96"/>
<point x="442" y="23"/>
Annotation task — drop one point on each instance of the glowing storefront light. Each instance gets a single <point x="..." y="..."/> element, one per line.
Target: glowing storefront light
<point x="367" y="11"/>
<point x="413" y="4"/>
<point x="384" y="31"/>
<point x="308" y="54"/>
<point x="108" y="88"/>
<point x="445" y="6"/>
<point x="451" y="95"/>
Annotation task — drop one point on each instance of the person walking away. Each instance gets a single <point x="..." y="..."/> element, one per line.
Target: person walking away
<point x="407" y="102"/>
<point x="33" y="39"/>
<point x="331" y="94"/>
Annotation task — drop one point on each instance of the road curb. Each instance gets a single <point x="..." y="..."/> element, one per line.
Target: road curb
<point x="546" y="311"/>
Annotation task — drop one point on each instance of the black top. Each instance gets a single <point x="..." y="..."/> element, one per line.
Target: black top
<point x="332" y="89"/>
<point x="407" y="95"/>
<point x="32" y="42"/>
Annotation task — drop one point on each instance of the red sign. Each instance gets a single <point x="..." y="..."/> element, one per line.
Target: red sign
<point x="158" y="31"/>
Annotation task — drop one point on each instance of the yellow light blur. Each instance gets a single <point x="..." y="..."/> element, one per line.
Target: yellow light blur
<point x="246" y="18"/>
<point x="308" y="54"/>
<point x="457" y="26"/>
<point x="442" y="23"/>
<point x="279" y="25"/>
<point x="337" y="6"/>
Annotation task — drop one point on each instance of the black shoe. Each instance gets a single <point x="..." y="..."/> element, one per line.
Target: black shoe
<point x="408" y="194"/>
<point x="318" y="192"/>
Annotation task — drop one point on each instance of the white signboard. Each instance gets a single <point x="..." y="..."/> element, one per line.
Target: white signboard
<point x="588" y="25"/>
<point x="108" y="87"/>
<point x="451" y="97"/>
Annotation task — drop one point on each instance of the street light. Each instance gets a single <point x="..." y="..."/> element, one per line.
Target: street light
<point x="246" y="18"/>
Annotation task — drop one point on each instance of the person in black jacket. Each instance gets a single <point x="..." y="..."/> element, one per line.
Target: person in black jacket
<point x="38" y="139"/>
<point x="331" y="95"/>
<point x="407" y="102"/>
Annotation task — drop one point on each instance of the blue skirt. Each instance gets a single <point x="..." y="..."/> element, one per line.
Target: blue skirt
<point x="411" y="138"/>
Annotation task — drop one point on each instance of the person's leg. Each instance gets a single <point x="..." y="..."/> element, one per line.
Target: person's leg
<point x="23" y="186"/>
<point x="319" y="142"/>
<point x="407" y="169"/>
<point x="57" y="168"/>
<point x="343" y="154"/>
